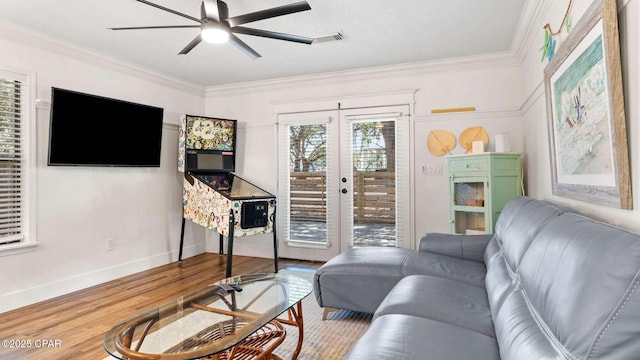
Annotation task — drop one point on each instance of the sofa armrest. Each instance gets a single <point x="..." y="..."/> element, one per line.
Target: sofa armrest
<point x="466" y="247"/>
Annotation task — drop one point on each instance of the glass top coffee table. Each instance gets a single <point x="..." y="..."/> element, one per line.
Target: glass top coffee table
<point x="234" y="318"/>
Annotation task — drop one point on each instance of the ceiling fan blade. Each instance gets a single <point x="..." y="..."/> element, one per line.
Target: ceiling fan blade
<point x="269" y="13"/>
<point x="169" y="10"/>
<point x="155" y="27"/>
<point x="191" y="45"/>
<point x="271" y="34"/>
<point x="223" y="10"/>
<point x="210" y="9"/>
<point x="243" y="47"/>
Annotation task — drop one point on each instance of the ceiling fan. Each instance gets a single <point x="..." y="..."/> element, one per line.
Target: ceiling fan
<point x="217" y="27"/>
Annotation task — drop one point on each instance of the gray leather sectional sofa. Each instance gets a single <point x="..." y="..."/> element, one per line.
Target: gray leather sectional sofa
<point x="549" y="284"/>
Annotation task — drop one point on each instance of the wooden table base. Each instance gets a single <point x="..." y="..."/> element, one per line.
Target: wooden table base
<point x="258" y="346"/>
<point x="294" y="318"/>
<point x="261" y="344"/>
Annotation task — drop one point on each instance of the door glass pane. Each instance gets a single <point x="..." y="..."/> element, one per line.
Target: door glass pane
<point x="374" y="183"/>
<point x="308" y="183"/>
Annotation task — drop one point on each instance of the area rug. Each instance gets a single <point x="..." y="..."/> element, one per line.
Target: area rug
<point x="328" y="339"/>
<point x="323" y="339"/>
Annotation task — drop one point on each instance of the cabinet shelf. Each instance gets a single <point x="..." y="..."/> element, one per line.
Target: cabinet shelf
<point x="468" y="208"/>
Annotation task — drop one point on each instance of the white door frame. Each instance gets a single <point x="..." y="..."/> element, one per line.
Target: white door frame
<point x="347" y="103"/>
<point x="403" y="179"/>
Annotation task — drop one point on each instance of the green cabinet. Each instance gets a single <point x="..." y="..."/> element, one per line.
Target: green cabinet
<point x="480" y="185"/>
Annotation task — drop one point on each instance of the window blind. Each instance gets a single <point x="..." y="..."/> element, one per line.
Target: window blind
<point x="372" y="140"/>
<point x="308" y="212"/>
<point x="403" y="180"/>
<point x="10" y="161"/>
<point x="380" y="169"/>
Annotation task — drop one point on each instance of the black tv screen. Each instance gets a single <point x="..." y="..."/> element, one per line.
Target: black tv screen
<point x="91" y="130"/>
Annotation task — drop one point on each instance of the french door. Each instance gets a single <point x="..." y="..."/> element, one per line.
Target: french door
<point x="343" y="181"/>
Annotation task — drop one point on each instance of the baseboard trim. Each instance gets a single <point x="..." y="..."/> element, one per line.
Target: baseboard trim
<point x="65" y="286"/>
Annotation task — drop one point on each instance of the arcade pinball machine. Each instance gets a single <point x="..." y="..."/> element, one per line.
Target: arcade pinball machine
<point x="213" y="196"/>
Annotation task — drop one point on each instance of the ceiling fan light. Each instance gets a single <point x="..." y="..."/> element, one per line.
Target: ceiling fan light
<point x="214" y="35"/>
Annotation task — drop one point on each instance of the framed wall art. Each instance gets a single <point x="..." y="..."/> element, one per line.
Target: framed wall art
<point x="586" y="115"/>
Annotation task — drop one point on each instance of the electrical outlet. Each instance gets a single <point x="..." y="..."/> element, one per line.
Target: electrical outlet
<point x="111" y="244"/>
<point x="435" y="170"/>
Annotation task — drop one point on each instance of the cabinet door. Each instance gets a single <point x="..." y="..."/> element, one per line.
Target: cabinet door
<point x="469" y="204"/>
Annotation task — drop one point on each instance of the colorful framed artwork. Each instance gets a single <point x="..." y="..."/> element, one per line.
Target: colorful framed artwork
<point x="586" y="115"/>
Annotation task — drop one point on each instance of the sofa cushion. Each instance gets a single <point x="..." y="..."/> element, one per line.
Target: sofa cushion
<point x="466" y="247"/>
<point x="440" y="299"/>
<point x="519" y="332"/>
<point x="425" y="263"/>
<point x="359" y="279"/>
<point x="406" y="337"/>
<point x="500" y="280"/>
<point x="580" y="281"/>
<point x="520" y="220"/>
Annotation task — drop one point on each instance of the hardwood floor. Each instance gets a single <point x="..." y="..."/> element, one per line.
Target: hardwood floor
<point x="74" y="325"/>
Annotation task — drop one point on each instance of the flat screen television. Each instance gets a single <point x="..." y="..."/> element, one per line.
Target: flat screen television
<point x="91" y="130"/>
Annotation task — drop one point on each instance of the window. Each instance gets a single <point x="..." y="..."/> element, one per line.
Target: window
<point x="15" y="126"/>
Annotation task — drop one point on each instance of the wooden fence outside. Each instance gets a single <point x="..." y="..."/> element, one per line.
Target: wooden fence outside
<point x="373" y="196"/>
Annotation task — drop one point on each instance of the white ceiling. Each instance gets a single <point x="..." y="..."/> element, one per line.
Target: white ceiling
<point x="377" y="33"/>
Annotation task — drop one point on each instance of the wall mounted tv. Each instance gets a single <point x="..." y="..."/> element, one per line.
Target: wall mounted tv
<point x="91" y="130"/>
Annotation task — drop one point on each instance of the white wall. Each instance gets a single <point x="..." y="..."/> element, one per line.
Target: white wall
<point x="535" y="119"/>
<point x="78" y="208"/>
<point x="490" y="83"/>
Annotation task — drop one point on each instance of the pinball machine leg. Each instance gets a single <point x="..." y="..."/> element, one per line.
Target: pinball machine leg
<point x="220" y="248"/>
<point x="181" y="240"/>
<point x="275" y="243"/>
<point x="230" y="244"/>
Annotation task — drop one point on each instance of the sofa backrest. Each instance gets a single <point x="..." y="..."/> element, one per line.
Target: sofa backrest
<point x="576" y="294"/>
<point x="520" y="220"/>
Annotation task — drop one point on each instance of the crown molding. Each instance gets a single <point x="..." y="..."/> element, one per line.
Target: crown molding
<point x="23" y="36"/>
<point x="488" y="61"/>
<point x="534" y="14"/>
<point x="531" y="25"/>
<point x="532" y="18"/>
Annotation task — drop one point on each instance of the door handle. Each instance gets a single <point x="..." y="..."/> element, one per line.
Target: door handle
<point x="344" y="191"/>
